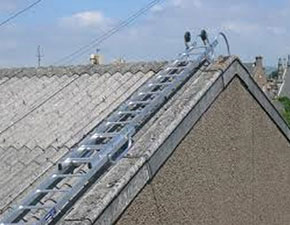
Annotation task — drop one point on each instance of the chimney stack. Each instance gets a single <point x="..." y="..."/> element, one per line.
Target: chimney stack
<point x="259" y="61"/>
<point x="96" y="59"/>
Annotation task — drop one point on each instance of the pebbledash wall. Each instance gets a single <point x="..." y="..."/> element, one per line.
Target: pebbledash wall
<point x="233" y="167"/>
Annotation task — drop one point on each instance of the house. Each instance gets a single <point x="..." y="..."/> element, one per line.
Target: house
<point x="217" y="152"/>
<point x="258" y="72"/>
<point x="285" y="80"/>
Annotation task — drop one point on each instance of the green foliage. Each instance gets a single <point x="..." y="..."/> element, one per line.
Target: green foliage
<point x="285" y="101"/>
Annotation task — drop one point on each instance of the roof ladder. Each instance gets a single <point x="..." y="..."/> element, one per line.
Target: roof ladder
<point x="108" y="142"/>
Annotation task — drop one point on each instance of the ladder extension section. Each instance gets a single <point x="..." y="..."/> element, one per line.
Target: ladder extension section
<point x="106" y="144"/>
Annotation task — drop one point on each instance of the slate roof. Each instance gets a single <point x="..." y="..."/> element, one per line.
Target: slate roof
<point x="43" y="112"/>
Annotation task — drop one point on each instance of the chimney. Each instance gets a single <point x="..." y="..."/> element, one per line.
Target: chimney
<point x="259" y="61"/>
<point x="96" y="59"/>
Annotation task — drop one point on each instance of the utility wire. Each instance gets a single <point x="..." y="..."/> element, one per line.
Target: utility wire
<point x="19" y="13"/>
<point x="81" y="51"/>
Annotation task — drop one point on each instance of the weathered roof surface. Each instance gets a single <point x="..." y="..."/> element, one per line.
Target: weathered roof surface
<point x="110" y="196"/>
<point x="285" y="88"/>
<point x="42" y="116"/>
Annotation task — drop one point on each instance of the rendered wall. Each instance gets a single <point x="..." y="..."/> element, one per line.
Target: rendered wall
<point x="232" y="168"/>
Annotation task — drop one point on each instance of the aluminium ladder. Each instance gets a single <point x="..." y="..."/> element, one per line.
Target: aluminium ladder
<point x="106" y="144"/>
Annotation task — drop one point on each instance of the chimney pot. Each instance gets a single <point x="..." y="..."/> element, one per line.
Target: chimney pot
<point x="259" y="61"/>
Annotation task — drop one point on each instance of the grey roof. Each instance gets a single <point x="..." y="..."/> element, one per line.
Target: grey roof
<point x="42" y="115"/>
<point x="285" y="89"/>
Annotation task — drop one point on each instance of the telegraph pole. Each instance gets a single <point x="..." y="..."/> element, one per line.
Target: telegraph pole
<point x="39" y="55"/>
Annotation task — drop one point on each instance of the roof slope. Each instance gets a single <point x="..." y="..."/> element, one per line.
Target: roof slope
<point x="110" y="196"/>
<point x="42" y="116"/>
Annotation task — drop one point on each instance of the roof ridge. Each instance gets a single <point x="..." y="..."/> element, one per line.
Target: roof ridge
<point x="82" y="70"/>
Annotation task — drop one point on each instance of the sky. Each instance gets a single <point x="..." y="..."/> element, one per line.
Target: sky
<point x="253" y="27"/>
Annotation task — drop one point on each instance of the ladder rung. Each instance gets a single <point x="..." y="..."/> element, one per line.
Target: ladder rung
<point x="159" y="84"/>
<point x="139" y="102"/>
<point x="25" y="207"/>
<point x="168" y="76"/>
<point x="118" y="122"/>
<point x="91" y="147"/>
<point x="105" y="135"/>
<point x="67" y="175"/>
<point x="150" y="93"/>
<point x="80" y="160"/>
<point x="130" y="112"/>
<point x="52" y="191"/>
<point x="175" y="67"/>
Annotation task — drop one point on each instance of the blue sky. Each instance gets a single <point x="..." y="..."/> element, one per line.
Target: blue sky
<point x="257" y="27"/>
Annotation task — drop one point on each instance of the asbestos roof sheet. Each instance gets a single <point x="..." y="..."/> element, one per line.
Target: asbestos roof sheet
<point x="44" y="112"/>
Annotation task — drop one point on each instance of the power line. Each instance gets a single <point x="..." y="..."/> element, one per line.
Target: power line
<point x="81" y="51"/>
<point x="19" y="13"/>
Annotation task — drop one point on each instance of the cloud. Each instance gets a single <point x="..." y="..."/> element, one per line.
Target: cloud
<point x="87" y="19"/>
<point x="240" y="27"/>
<point x="157" y="8"/>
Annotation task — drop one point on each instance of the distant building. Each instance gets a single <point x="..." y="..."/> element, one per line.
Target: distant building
<point x="257" y="70"/>
<point x="279" y="83"/>
<point x="119" y="61"/>
<point x="284" y="79"/>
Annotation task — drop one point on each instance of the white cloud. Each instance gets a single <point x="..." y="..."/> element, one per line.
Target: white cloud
<point x="239" y="27"/>
<point x="86" y="19"/>
<point x="157" y="8"/>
